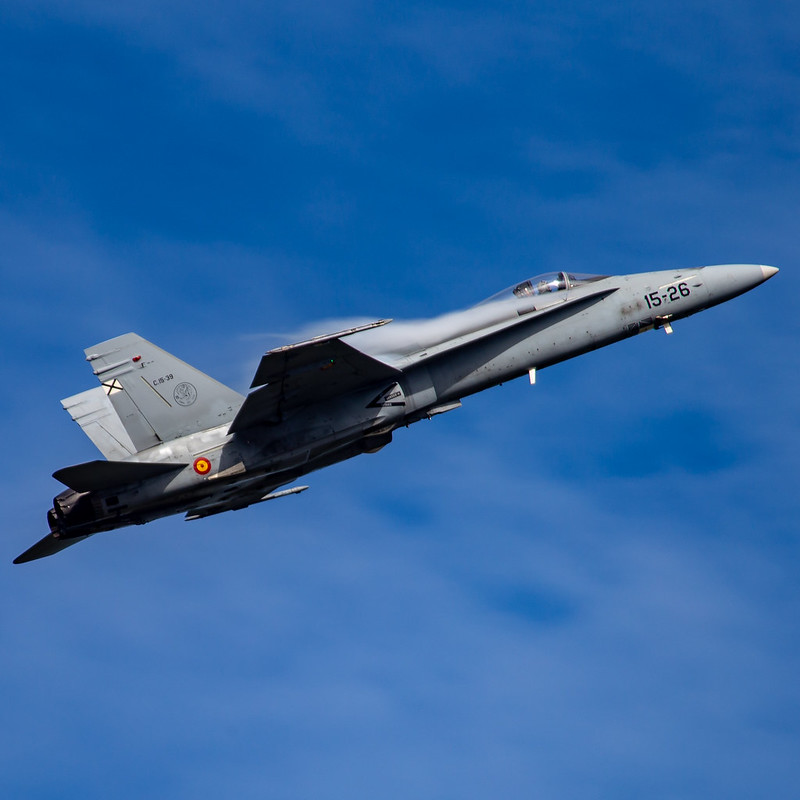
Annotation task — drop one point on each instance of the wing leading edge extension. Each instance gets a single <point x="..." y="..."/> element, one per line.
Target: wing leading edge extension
<point x="527" y="318"/>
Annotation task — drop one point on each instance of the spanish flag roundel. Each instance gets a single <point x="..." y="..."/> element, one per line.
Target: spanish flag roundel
<point x="202" y="466"/>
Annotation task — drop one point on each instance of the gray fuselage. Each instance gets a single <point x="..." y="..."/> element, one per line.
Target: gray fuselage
<point x="434" y="364"/>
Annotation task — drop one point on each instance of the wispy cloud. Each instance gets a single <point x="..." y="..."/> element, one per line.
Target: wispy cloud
<point x="583" y="588"/>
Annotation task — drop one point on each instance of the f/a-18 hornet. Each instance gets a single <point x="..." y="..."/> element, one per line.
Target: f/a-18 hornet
<point x="177" y="441"/>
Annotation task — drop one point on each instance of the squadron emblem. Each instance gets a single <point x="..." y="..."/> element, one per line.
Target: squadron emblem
<point x="185" y="394"/>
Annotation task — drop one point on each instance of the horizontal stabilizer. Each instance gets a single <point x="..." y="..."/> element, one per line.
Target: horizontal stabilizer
<point x="99" y="475"/>
<point x="48" y="546"/>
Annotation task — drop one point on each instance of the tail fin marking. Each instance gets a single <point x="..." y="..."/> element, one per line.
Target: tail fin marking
<point x="157" y="396"/>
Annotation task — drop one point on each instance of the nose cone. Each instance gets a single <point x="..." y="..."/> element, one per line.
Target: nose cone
<point x="729" y="280"/>
<point x="768" y="272"/>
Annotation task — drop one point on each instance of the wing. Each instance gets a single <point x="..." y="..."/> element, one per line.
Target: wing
<point x="309" y="372"/>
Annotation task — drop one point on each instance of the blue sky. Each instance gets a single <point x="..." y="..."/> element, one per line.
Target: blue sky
<point x="584" y="589"/>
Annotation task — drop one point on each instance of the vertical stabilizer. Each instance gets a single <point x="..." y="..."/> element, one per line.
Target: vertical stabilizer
<point x="92" y="410"/>
<point x="158" y="397"/>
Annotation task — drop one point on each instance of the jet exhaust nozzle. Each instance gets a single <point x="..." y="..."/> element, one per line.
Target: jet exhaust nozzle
<point x="71" y="510"/>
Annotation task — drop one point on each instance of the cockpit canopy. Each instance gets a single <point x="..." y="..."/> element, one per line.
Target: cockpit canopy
<point x="546" y="283"/>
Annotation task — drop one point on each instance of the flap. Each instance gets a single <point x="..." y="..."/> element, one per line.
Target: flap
<point x="98" y="475"/>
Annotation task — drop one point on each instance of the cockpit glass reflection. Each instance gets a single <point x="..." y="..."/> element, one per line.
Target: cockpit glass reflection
<point x="548" y="283"/>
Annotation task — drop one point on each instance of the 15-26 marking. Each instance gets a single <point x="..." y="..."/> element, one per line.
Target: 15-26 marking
<point x="670" y="294"/>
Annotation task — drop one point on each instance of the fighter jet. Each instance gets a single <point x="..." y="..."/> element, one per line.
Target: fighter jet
<point x="177" y="441"/>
